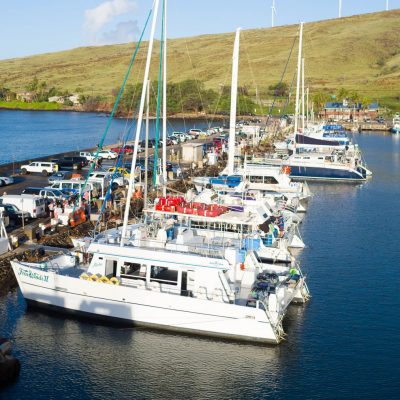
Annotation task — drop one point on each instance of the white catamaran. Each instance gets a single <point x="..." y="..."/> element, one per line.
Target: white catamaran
<point x="167" y="276"/>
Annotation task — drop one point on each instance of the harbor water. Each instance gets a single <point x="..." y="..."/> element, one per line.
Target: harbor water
<point x="343" y="344"/>
<point x="23" y="133"/>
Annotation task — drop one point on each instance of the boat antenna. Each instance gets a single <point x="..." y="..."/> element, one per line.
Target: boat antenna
<point x="139" y="122"/>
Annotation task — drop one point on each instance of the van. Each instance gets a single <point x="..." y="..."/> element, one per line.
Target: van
<point x="29" y="203"/>
<point x="48" y="194"/>
<point x="72" y="186"/>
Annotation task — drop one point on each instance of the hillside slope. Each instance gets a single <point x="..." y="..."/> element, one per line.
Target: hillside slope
<point x="360" y="52"/>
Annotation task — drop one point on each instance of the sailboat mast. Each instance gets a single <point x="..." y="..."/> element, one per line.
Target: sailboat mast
<point x="146" y="146"/>
<point x="234" y="84"/>
<point x="139" y="122"/>
<point x="296" y="114"/>
<point x="164" y="148"/>
<point x="307" y="104"/>
<point x="302" y="96"/>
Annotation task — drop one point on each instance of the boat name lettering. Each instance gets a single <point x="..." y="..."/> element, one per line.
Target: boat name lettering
<point x="33" y="275"/>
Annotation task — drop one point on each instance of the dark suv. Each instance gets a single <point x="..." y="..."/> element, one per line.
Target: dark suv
<point x="82" y="161"/>
<point x="14" y="214"/>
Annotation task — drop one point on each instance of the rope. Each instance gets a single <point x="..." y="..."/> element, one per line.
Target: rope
<point x="100" y="145"/>
<point x="283" y="74"/>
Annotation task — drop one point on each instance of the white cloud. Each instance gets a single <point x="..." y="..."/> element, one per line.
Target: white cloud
<point x="126" y="31"/>
<point x="96" y="18"/>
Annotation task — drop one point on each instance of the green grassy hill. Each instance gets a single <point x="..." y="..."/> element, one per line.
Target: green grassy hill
<point x="360" y="52"/>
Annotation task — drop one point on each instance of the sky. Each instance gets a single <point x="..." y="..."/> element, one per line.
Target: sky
<point x="41" y="26"/>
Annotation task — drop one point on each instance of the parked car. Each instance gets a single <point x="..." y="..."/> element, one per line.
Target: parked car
<point x="14" y="214"/>
<point x="127" y="149"/>
<point x="33" y="205"/>
<point x="123" y="171"/>
<point x="86" y="154"/>
<point x="4" y="217"/>
<point x="105" y="179"/>
<point x="82" y="161"/>
<point x="108" y="154"/>
<point x="72" y="187"/>
<point x="66" y="164"/>
<point x="44" y="167"/>
<point x="180" y="135"/>
<point x="6" y="180"/>
<point x="174" y="139"/>
<point x="60" y="175"/>
<point x="48" y="194"/>
<point x="195" y="132"/>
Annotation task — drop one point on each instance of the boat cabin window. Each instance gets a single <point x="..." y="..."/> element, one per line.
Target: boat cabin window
<point x="270" y="180"/>
<point x="256" y="179"/>
<point x="134" y="270"/>
<point x="163" y="275"/>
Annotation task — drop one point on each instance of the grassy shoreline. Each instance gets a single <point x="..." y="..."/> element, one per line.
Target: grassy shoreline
<point x="36" y="106"/>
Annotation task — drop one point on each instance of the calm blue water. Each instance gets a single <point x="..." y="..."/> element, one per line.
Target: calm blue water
<point x="344" y="344"/>
<point x="30" y="134"/>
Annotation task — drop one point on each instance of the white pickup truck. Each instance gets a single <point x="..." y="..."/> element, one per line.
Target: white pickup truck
<point x="87" y="154"/>
<point x="105" y="178"/>
<point x="44" y="167"/>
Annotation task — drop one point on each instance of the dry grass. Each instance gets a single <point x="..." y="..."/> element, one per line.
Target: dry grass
<point x="360" y="52"/>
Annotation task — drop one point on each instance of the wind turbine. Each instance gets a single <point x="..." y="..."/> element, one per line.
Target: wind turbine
<point x="387" y="5"/>
<point x="273" y="13"/>
<point x="340" y="8"/>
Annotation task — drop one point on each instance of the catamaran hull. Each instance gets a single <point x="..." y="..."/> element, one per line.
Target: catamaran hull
<point x="320" y="173"/>
<point x="144" y="307"/>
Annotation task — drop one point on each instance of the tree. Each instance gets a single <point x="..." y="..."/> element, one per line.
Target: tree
<point x="320" y="98"/>
<point x="342" y="94"/>
<point x="281" y="89"/>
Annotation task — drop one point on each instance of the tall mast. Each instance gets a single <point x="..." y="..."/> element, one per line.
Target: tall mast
<point x="307" y="104"/>
<point x="164" y="149"/>
<point x="139" y="122"/>
<point x="146" y="146"/>
<point x="302" y="95"/>
<point x="296" y="115"/>
<point x="234" y="84"/>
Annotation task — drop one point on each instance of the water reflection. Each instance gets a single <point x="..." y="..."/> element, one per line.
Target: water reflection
<point x="103" y="361"/>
